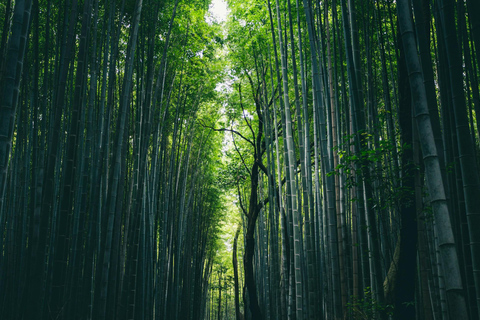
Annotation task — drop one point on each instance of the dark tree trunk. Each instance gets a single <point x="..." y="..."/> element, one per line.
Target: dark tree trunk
<point x="250" y="247"/>
<point x="405" y="269"/>
<point x="238" y="314"/>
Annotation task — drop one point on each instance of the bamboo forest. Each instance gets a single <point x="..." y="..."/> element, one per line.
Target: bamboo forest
<point x="239" y="159"/>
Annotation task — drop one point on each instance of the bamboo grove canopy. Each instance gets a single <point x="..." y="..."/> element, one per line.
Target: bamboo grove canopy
<point x="294" y="160"/>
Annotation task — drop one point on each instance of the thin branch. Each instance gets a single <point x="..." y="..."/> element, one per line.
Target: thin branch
<point x="240" y="199"/>
<point x="225" y="129"/>
<point x="244" y="116"/>
<point x="241" y="157"/>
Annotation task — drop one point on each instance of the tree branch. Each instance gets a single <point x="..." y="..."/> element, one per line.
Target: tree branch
<point x="240" y="199"/>
<point x="243" y="112"/>
<point x="241" y="157"/>
<point x="228" y="130"/>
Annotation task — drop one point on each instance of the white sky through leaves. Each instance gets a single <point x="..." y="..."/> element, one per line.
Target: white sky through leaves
<point x="218" y="9"/>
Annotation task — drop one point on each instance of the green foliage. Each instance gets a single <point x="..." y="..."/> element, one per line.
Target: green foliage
<point x="367" y="307"/>
<point x="379" y="159"/>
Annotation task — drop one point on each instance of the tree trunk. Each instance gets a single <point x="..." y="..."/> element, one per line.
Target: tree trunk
<point x="455" y="295"/>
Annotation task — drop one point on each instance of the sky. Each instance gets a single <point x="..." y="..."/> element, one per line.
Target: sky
<point x="219" y="10"/>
